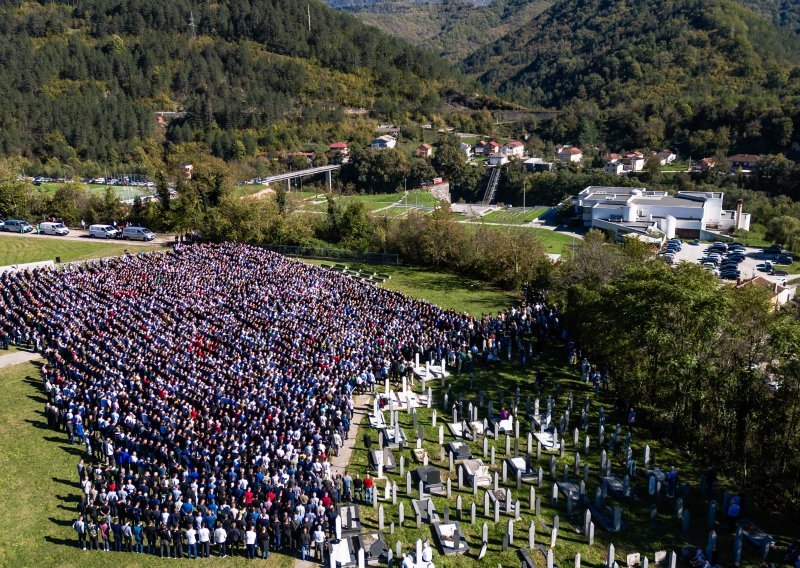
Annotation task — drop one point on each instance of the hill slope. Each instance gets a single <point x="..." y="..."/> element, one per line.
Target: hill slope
<point x="451" y="28"/>
<point x="82" y="82"/>
<point x="708" y="74"/>
<point x="785" y="13"/>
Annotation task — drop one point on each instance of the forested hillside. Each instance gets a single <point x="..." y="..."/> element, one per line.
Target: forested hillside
<point x="451" y="28"/>
<point x="81" y="81"/>
<point x="785" y="13"/>
<point x="708" y="75"/>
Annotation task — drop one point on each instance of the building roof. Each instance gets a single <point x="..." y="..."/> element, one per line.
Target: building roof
<point x="775" y="287"/>
<point x="384" y="138"/>
<point x="424" y="147"/>
<point x="668" y="201"/>
<point x="570" y="150"/>
<point x="750" y="158"/>
<point x="514" y="144"/>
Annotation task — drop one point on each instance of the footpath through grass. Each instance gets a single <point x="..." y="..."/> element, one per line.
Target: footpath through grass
<point x="30" y="248"/>
<point x="39" y="490"/>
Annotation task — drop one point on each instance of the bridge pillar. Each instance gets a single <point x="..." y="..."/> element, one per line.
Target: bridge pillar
<point x="329" y="179"/>
<point x="289" y="184"/>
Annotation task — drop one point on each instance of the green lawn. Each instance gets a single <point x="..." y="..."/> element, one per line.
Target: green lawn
<point x="121" y="191"/>
<point x="39" y="492"/>
<point x="554" y="242"/>
<point x="30" y="248"/>
<point x="513" y="217"/>
<point x="371" y="202"/>
<point x="755" y="237"/>
<point x="444" y="289"/>
<point x="638" y="533"/>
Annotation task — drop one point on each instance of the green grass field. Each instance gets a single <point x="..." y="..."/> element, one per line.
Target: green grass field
<point x="515" y="217"/>
<point x="371" y="202"/>
<point x="444" y="289"/>
<point x="121" y="191"/>
<point x="30" y="248"/>
<point x="554" y="242"/>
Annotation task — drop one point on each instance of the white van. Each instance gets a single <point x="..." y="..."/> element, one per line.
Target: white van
<point x="103" y="231"/>
<point x="138" y="234"/>
<point x="49" y="228"/>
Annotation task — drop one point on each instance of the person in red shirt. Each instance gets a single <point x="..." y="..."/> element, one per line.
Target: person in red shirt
<point x="368" y="483"/>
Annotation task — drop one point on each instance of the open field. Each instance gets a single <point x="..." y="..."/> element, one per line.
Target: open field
<point x="39" y="488"/>
<point x="554" y="242"/>
<point x="515" y="216"/>
<point x="121" y="191"/>
<point x="444" y="289"/>
<point x="18" y="250"/>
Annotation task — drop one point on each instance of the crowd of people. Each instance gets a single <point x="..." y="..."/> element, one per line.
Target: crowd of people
<point x="210" y="385"/>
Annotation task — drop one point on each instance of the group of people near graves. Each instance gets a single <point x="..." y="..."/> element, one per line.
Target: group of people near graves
<point x="210" y="384"/>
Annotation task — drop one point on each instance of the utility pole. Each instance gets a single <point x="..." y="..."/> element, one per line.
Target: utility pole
<point x="308" y="11"/>
<point x="192" y="25"/>
<point x="524" y="190"/>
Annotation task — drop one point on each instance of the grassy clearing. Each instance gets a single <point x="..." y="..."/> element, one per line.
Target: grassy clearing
<point x="638" y="533"/>
<point x="30" y="248"/>
<point x="554" y="242"/>
<point x="121" y="191"/>
<point x="513" y="217"/>
<point x="444" y="289"/>
<point x="39" y="489"/>
<point x="755" y="237"/>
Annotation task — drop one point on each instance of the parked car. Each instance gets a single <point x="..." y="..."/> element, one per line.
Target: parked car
<point x="49" y="228"/>
<point x="138" y="234"/>
<point x="773" y="249"/>
<point x="784" y="259"/>
<point x="17" y="226"/>
<point x="779" y="273"/>
<point x="103" y="231"/>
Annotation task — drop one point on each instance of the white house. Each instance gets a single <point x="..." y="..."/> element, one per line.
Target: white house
<point x="666" y="157"/>
<point x="497" y="159"/>
<point x="614" y="167"/>
<point x="467" y="149"/>
<point x="633" y="162"/>
<point x="689" y="214"/>
<point x="537" y="165"/>
<point x="569" y="154"/>
<point x="383" y="142"/>
<point x="513" y="149"/>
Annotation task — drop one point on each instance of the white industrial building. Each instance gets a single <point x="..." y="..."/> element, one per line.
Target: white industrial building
<point x="689" y="214"/>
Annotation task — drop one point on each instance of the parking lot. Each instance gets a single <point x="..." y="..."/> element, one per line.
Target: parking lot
<point x="753" y="264"/>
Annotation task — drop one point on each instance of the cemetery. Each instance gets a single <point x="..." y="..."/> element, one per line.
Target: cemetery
<point x="537" y="473"/>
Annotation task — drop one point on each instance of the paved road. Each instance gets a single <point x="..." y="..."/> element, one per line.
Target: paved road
<point x="17" y="358"/>
<point x="80" y="235"/>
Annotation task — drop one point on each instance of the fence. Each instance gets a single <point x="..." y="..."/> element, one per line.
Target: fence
<point x="335" y="254"/>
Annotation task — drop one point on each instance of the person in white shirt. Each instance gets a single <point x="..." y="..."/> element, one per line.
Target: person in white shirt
<point x="250" y="542"/>
<point x="319" y="541"/>
<point x="220" y="539"/>
<point x="204" y="538"/>
<point x="191" y="542"/>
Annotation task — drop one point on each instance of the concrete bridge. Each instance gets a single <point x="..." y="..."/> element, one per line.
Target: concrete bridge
<point x="289" y="176"/>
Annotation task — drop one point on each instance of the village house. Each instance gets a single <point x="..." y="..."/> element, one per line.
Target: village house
<point x="569" y="154"/>
<point x="747" y="162"/>
<point x="666" y="157"/>
<point x="704" y="165"/>
<point x="467" y="149"/>
<point x="423" y="151"/>
<point x="483" y="148"/>
<point x="383" y="142"/>
<point x="497" y="159"/>
<point x="339" y="150"/>
<point x="513" y="149"/>
<point x="780" y="293"/>
<point x="536" y="165"/>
